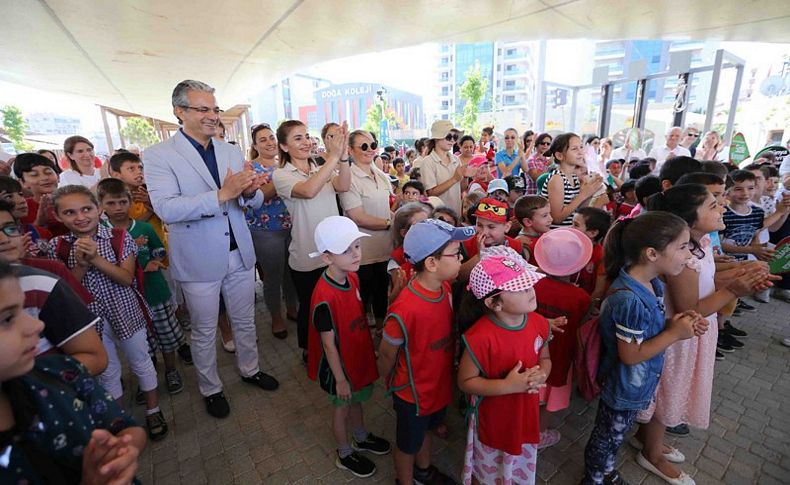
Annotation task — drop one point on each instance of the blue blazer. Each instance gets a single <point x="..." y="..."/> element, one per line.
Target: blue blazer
<point x="184" y="196"/>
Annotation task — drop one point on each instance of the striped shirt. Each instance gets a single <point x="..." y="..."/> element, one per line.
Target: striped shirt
<point x="740" y="228"/>
<point x="570" y="192"/>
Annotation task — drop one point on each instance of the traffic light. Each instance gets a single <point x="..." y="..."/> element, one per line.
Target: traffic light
<point x="559" y="98"/>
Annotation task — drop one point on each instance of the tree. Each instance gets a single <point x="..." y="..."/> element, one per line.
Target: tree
<point x="139" y="131"/>
<point x="472" y="91"/>
<point x="15" y="125"/>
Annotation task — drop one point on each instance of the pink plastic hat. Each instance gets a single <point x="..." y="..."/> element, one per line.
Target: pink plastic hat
<point x="500" y="272"/>
<point x="563" y="252"/>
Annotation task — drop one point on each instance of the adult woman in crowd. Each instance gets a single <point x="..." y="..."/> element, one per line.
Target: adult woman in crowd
<point x="539" y="162"/>
<point x="367" y="203"/>
<point x="711" y="147"/>
<point x="79" y="152"/>
<point x="329" y="130"/>
<point x="443" y="174"/>
<point x="309" y="194"/>
<point x="592" y="145"/>
<point x="509" y="160"/>
<point x="605" y="150"/>
<point x="270" y="226"/>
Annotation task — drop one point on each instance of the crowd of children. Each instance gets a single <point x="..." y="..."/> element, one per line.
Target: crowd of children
<point x="486" y="304"/>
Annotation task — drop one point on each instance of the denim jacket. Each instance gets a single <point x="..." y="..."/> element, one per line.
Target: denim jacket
<point x="630" y="313"/>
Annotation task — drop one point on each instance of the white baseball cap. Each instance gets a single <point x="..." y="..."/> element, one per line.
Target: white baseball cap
<point x="335" y="234"/>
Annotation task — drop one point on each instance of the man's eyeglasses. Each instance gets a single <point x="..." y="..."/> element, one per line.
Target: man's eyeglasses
<point x="204" y="110"/>
<point x="364" y="147"/>
<point x="11" y="230"/>
<point x="451" y="137"/>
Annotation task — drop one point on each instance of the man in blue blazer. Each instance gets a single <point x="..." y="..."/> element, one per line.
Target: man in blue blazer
<point x="199" y="187"/>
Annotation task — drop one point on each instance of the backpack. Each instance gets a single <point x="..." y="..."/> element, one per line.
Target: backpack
<point x="63" y="250"/>
<point x="588" y="358"/>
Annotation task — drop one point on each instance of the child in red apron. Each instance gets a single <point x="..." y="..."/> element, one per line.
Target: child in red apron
<point x="505" y="362"/>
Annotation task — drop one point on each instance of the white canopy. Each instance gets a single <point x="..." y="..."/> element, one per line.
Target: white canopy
<point x="130" y="53"/>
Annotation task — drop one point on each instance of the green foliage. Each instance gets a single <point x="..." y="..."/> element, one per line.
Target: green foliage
<point x="377" y="112"/>
<point x="139" y="131"/>
<point x="472" y="91"/>
<point x="15" y="125"/>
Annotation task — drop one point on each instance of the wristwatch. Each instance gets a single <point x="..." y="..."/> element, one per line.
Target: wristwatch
<point x="389" y="223"/>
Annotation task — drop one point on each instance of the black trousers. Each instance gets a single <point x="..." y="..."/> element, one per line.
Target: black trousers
<point x="304" y="282"/>
<point x="373" y="286"/>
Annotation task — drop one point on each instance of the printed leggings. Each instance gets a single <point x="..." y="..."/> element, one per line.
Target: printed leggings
<point x="607" y="435"/>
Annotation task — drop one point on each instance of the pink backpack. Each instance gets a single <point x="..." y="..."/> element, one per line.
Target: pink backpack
<point x="588" y="357"/>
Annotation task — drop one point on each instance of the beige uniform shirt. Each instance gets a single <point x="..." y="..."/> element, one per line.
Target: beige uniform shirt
<point x="372" y="193"/>
<point x="435" y="171"/>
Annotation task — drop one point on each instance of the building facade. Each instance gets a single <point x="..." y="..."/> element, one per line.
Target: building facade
<point x="53" y="124"/>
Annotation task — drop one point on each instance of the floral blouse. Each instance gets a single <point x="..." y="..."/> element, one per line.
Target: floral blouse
<point x="272" y="215"/>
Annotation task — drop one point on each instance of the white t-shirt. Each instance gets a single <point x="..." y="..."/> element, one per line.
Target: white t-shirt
<point x="72" y="177"/>
<point x="661" y="154"/>
<point x="620" y="153"/>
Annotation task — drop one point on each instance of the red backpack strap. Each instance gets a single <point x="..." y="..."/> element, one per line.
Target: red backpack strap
<point x="116" y="241"/>
<point x="63" y="250"/>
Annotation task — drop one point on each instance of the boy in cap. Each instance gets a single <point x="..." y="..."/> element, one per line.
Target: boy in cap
<point x="340" y="348"/>
<point x="516" y="188"/>
<point x="417" y="347"/>
<point x="498" y="189"/>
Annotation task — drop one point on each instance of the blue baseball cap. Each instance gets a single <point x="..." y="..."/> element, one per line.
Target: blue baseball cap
<point x="425" y="237"/>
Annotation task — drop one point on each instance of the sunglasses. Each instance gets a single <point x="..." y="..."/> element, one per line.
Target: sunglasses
<point x="695" y="135"/>
<point x="510" y="138"/>
<point x="364" y="147"/>
<point x="451" y="137"/>
<point x="11" y="230"/>
<point x="545" y="143"/>
<point x="260" y="126"/>
<point x="485" y="207"/>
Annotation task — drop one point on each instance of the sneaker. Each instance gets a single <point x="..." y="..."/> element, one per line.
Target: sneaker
<point x="735" y="332"/>
<point x="719" y="355"/>
<point x="357" y="464"/>
<point x="174" y="382"/>
<point x="216" y="405"/>
<point x="731" y="341"/>
<point x="157" y="426"/>
<point x="139" y="397"/>
<point x="680" y="430"/>
<point x="372" y="444"/>
<point x="548" y="438"/>
<point x="185" y="353"/>
<point x="431" y="476"/>
<point x="722" y="345"/>
<point x="262" y="380"/>
<point x="745" y="306"/>
<point x="786" y="342"/>
<point x="782" y="294"/>
<point x="737" y="312"/>
<point x="614" y="478"/>
<point x="762" y="296"/>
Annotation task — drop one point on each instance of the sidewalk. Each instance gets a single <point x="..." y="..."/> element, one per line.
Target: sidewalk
<point x="285" y="436"/>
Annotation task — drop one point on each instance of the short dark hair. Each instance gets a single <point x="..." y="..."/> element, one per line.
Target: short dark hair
<point x="414" y="184"/>
<point x="26" y="162"/>
<point x="596" y="219"/>
<point x="627" y="187"/>
<point x="526" y="206"/>
<point x="389" y="148"/>
<point x="117" y="160"/>
<point x="742" y="176"/>
<point x="703" y="178"/>
<point x="466" y="138"/>
<point x="419" y="266"/>
<point x="674" y="168"/>
<point x="769" y="171"/>
<point x="7" y="206"/>
<point x="398" y="160"/>
<point x="645" y="187"/>
<point x="714" y="167"/>
<point x="639" y="171"/>
<point x="111" y="186"/>
<point x="613" y="161"/>
<point x="9" y="185"/>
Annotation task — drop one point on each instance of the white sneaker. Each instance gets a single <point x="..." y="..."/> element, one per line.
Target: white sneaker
<point x="782" y="294"/>
<point x="786" y="342"/>
<point x="763" y="296"/>
<point x="229" y="346"/>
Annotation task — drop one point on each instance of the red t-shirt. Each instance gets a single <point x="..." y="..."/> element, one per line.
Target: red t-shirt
<point x="352" y="335"/>
<point x="471" y="250"/>
<point x="509" y="421"/>
<point x="423" y="320"/>
<point x="587" y="276"/>
<point x="529" y="242"/>
<point x="557" y="299"/>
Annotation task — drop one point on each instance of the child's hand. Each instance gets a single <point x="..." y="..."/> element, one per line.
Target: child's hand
<point x="28" y="245"/>
<point x="557" y="324"/>
<point x="109" y="459"/>
<point x="763" y="253"/>
<point x="398" y="278"/>
<point x="700" y="323"/>
<point x="343" y="389"/>
<point x="86" y="246"/>
<point x="682" y="325"/>
<point x="44" y="204"/>
<point x="742" y="285"/>
<point x="516" y="380"/>
<point x="536" y="380"/>
<point x="153" y="265"/>
<point x="141" y="241"/>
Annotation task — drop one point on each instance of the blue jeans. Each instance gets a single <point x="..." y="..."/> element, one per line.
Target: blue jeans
<point x="607" y="435"/>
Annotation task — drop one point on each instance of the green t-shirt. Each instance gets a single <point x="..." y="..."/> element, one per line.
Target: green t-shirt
<point x="155" y="285"/>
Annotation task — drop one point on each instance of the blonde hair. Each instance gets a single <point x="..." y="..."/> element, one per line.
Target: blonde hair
<point x="402" y="220"/>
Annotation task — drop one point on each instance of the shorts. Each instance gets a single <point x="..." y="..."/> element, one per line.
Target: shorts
<point x="357" y="397"/>
<point x="167" y="330"/>
<point x="410" y="429"/>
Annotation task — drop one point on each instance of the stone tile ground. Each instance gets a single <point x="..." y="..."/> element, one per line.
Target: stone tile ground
<point x="285" y="436"/>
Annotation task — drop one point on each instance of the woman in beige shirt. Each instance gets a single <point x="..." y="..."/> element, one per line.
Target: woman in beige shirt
<point x="309" y="194"/>
<point x="367" y="203"/>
